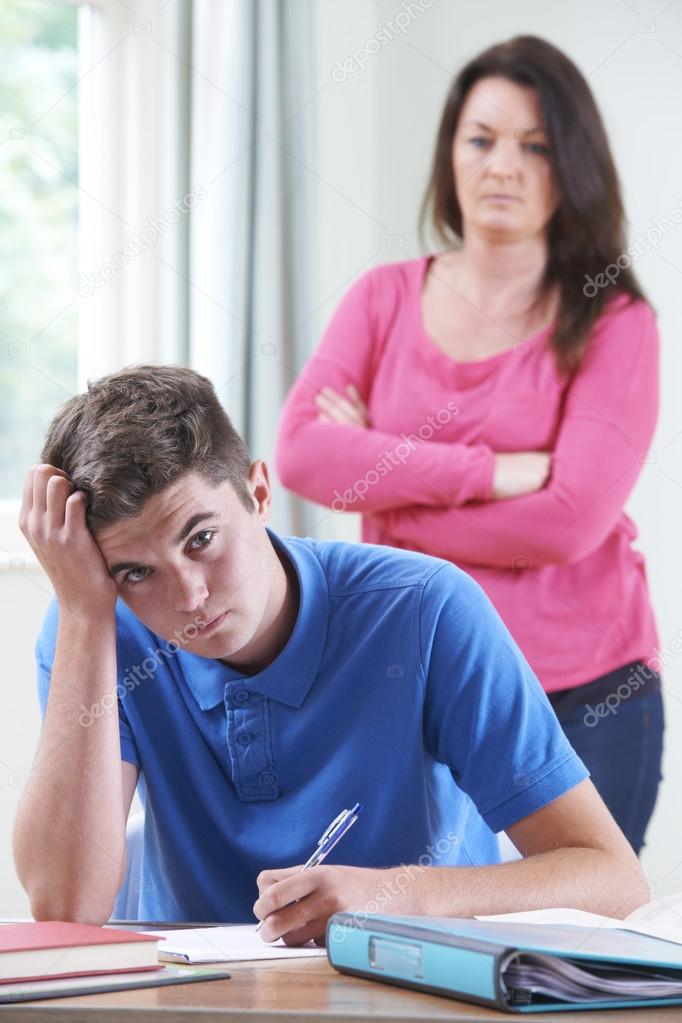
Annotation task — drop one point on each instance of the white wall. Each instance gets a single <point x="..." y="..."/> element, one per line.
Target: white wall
<point x="376" y="132"/>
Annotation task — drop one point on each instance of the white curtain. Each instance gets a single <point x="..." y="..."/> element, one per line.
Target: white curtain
<point x="196" y="123"/>
<point x="250" y="243"/>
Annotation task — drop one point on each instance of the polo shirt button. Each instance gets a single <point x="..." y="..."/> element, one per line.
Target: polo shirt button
<point x="242" y="696"/>
<point x="245" y="738"/>
<point x="268" y="778"/>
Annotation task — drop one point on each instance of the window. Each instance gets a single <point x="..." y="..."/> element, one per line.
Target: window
<point x="38" y="226"/>
<point x="89" y="95"/>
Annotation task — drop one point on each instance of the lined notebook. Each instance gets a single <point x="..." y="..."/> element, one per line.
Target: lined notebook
<point x="238" y="943"/>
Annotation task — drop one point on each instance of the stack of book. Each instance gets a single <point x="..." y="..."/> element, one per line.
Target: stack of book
<point x="52" y="959"/>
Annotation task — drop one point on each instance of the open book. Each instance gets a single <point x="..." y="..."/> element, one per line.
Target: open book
<point x="661" y="918"/>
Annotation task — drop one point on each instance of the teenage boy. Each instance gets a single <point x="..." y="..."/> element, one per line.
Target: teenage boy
<point x="253" y="686"/>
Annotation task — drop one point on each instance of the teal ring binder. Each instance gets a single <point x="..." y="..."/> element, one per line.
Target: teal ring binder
<point x="464" y="958"/>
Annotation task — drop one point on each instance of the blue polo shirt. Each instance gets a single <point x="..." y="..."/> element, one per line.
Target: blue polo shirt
<point x="399" y="688"/>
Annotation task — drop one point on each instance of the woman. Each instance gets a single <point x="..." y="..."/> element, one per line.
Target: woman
<point x="493" y="404"/>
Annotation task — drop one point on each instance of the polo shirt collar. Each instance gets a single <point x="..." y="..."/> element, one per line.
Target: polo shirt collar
<point x="289" y="677"/>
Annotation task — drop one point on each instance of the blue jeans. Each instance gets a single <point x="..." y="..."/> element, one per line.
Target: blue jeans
<point x="617" y="731"/>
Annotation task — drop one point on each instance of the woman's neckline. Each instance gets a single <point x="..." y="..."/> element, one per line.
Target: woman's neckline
<point x="462" y="364"/>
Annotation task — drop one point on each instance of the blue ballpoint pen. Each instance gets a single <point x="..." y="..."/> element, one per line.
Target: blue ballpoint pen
<point x="330" y="837"/>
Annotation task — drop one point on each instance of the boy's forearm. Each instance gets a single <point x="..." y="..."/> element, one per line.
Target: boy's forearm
<point x="69" y="835"/>
<point x="578" y="878"/>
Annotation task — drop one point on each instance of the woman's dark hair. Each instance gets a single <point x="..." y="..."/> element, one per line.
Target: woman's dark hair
<point x="136" y="432"/>
<point x="586" y="233"/>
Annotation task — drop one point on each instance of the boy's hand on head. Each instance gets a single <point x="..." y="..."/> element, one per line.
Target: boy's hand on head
<point x="52" y="518"/>
<point x="296" y="904"/>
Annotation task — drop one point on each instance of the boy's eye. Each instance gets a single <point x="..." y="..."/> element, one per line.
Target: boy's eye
<point x="202" y="539"/>
<point x="199" y="540"/>
<point x="135" y="575"/>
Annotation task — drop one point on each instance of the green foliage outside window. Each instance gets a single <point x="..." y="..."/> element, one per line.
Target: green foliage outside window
<point x="38" y="226"/>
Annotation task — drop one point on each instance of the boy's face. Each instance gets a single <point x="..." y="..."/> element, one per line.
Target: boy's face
<point x="199" y="569"/>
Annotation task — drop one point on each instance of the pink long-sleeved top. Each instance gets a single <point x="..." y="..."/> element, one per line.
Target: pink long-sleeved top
<point x="558" y="564"/>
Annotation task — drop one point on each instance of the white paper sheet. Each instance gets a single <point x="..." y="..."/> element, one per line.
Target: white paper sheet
<point x="536" y="973"/>
<point x="576" y="917"/>
<point x="655" y="919"/>
<point x="664" y="912"/>
<point x="239" y="943"/>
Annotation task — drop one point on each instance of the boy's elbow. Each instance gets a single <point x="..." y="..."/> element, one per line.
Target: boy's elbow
<point x="640" y="892"/>
<point x="46" y="908"/>
<point x="630" y="889"/>
<point x="64" y="899"/>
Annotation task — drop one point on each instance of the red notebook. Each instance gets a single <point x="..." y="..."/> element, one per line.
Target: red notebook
<point x="36" y="951"/>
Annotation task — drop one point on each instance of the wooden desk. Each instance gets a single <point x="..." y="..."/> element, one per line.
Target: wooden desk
<point x="290" y="991"/>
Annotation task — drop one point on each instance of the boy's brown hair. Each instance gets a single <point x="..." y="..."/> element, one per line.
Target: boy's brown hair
<point x="135" y="432"/>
